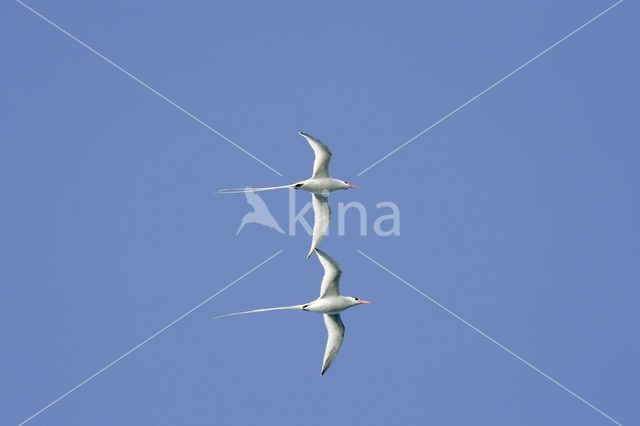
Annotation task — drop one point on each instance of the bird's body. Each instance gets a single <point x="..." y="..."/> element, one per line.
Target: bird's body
<point x="320" y="184"/>
<point x="330" y="303"/>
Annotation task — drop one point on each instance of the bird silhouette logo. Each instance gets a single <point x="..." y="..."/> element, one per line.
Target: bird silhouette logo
<point x="260" y="213"/>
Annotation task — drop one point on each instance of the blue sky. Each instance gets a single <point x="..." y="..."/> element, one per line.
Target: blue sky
<point x="519" y="213"/>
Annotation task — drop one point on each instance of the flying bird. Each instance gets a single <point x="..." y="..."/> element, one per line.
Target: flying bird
<point x="260" y="213"/>
<point x="320" y="184"/>
<point x="330" y="304"/>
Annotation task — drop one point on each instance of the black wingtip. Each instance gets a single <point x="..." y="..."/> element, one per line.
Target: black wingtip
<point x="316" y="251"/>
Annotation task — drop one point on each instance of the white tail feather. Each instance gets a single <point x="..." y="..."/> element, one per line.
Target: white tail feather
<point x="260" y="310"/>
<point x="245" y="190"/>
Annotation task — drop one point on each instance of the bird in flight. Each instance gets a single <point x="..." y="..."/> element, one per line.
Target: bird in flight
<point x="260" y="213"/>
<point x="320" y="184"/>
<point x="330" y="304"/>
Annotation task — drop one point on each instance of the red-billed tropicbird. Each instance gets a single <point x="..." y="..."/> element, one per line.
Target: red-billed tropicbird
<point x="330" y="304"/>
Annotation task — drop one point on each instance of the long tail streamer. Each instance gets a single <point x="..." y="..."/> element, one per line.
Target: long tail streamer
<point x="261" y="310"/>
<point x="245" y="190"/>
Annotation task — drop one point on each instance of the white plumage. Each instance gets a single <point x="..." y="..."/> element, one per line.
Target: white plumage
<point x="320" y="185"/>
<point x="330" y="304"/>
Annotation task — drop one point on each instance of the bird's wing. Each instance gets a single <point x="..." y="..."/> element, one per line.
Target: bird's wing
<point x="323" y="155"/>
<point x="335" y="331"/>
<point x="321" y="218"/>
<point x="331" y="280"/>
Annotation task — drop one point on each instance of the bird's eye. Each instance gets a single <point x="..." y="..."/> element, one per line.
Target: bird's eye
<point x="356" y="298"/>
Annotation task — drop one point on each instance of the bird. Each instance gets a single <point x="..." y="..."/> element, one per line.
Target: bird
<point x="260" y="213"/>
<point x="329" y="304"/>
<point x="320" y="184"/>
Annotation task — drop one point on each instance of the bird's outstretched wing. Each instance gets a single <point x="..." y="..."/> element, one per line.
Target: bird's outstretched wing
<point x="323" y="155"/>
<point x="321" y="218"/>
<point x="331" y="280"/>
<point x="335" y="331"/>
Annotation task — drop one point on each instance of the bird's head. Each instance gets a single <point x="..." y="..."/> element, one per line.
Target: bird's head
<point x="347" y="186"/>
<point x="357" y="301"/>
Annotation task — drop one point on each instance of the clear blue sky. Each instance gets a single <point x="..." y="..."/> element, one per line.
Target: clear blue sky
<point x="519" y="213"/>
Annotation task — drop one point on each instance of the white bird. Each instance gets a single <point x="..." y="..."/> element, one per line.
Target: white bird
<point x="260" y="213"/>
<point x="320" y="184"/>
<point x="330" y="304"/>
